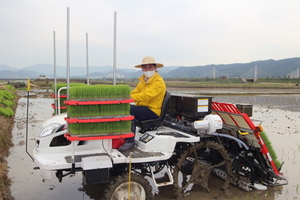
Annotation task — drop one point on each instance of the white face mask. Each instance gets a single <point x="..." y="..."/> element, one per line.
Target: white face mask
<point x="148" y="74"/>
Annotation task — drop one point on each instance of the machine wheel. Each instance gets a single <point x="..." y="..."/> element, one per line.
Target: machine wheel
<point x="139" y="188"/>
<point x="197" y="162"/>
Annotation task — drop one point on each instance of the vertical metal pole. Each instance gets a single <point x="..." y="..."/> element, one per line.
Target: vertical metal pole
<point x="68" y="82"/>
<point x="115" y="47"/>
<point x="27" y="117"/>
<point x="87" y="60"/>
<point x="68" y="51"/>
<point x="54" y="65"/>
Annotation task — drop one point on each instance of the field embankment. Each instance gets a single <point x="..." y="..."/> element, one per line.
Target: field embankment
<point x="271" y="83"/>
<point x="8" y="104"/>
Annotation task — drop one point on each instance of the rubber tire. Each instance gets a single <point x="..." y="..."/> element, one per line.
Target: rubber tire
<point x="139" y="187"/>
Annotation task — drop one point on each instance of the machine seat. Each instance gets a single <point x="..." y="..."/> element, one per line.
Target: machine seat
<point x="152" y="124"/>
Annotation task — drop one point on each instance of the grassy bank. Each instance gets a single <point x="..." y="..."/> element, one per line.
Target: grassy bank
<point x="8" y="104"/>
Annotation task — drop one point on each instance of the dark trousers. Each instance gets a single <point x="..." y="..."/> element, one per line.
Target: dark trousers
<point x="141" y="113"/>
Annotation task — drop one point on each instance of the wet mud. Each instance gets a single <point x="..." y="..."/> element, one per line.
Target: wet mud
<point x="278" y="114"/>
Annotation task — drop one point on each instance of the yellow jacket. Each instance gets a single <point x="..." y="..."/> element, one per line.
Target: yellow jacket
<point x="150" y="93"/>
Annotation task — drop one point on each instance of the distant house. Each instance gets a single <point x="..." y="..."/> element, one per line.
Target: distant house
<point x="223" y="76"/>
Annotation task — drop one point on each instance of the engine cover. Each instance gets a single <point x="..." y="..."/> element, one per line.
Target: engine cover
<point x="191" y="106"/>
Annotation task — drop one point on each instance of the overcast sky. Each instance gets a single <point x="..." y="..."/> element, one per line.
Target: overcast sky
<point x="174" y="32"/>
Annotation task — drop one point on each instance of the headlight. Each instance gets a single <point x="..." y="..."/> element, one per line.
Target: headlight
<point x="49" y="129"/>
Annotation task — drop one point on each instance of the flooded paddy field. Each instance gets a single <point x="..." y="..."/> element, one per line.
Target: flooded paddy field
<point x="279" y="115"/>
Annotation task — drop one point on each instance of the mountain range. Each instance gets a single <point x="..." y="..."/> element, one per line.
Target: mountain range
<point x="265" y="68"/>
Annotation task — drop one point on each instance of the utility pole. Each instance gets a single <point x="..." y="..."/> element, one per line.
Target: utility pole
<point x="87" y="60"/>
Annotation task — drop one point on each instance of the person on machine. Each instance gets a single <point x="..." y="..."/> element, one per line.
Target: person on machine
<point x="148" y="96"/>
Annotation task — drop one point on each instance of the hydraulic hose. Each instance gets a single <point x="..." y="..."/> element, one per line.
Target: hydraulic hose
<point x="240" y="143"/>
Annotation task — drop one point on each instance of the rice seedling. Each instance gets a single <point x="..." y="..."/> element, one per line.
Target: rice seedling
<point x="255" y="195"/>
<point x="99" y="93"/>
<point x="6" y="95"/>
<point x="103" y="128"/>
<point x="64" y="92"/>
<point x="11" y="88"/>
<point x="271" y="149"/>
<point x="267" y="194"/>
<point x="7" y="112"/>
<point x="297" y="188"/>
<point x="98" y="110"/>
<point x="7" y="103"/>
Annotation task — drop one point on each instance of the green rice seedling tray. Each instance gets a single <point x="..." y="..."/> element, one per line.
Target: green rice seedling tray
<point x="60" y="85"/>
<point x="100" y="92"/>
<point x="99" y="119"/>
<point x="112" y="125"/>
<point x="62" y="97"/>
<point x="97" y="101"/>
<point x="105" y="127"/>
<point x="103" y="137"/>
<point x="99" y="110"/>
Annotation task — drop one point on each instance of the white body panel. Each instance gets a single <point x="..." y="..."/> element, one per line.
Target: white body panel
<point x="97" y="154"/>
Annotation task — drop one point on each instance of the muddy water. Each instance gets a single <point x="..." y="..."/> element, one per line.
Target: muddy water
<point x="278" y="114"/>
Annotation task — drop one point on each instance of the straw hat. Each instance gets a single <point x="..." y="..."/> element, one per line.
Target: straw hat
<point x="149" y="60"/>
